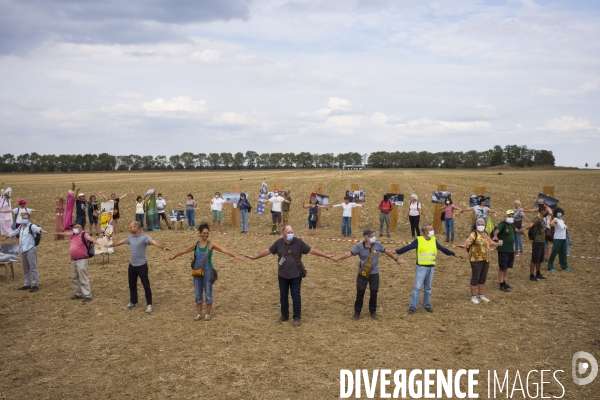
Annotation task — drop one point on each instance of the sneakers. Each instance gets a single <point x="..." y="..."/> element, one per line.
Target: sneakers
<point x="474" y="300"/>
<point x="429" y="309"/>
<point x="75" y="297"/>
<point x="374" y="316"/>
<point x="130" y="306"/>
<point x="87" y="300"/>
<point x="504" y="287"/>
<point x="411" y="311"/>
<point x="483" y="298"/>
<point x="532" y="278"/>
<point x="539" y="276"/>
<point x="282" y="319"/>
<point x="567" y="269"/>
<point x="507" y="286"/>
<point x="149" y="308"/>
<point x="356" y="317"/>
<point x="551" y="270"/>
<point x="296" y="321"/>
<point x="33" y="289"/>
<point x="24" y="288"/>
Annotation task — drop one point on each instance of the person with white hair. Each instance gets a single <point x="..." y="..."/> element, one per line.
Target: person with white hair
<point x="414" y="215"/>
<point x="478" y="245"/>
<point x="426" y="247"/>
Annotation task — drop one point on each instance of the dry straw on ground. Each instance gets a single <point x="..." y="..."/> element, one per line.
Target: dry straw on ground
<point x="53" y="347"/>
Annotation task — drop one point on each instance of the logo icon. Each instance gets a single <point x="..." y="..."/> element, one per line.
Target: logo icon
<point x="581" y="367"/>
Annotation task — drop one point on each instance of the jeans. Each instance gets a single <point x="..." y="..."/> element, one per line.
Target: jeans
<point x="244" y="220"/>
<point x="140" y="218"/>
<point x="449" y="224"/>
<point x="191" y="215"/>
<point x="361" y="288"/>
<point x="142" y="272"/>
<point x="559" y="247"/>
<point x="423" y="277"/>
<point x="202" y="284"/>
<point x="347" y="226"/>
<point x="518" y="242"/>
<point x="414" y="225"/>
<point x="284" y="288"/>
<point x="383" y="217"/>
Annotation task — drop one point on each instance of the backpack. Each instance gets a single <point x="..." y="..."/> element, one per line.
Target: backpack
<point x="37" y="237"/>
<point x="468" y="248"/>
<point x="443" y="215"/>
<point x="389" y="203"/>
<point x="91" y="250"/>
<point x="531" y="233"/>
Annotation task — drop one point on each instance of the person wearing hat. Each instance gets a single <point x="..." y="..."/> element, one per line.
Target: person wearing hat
<point x="426" y="247"/>
<point x="79" y="262"/>
<point x="18" y="214"/>
<point x="368" y="251"/>
<point x="80" y="208"/>
<point x="505" y="231"/>
<point x="243" y="209"/>
<point x="27" y="233"/>
<point x="414" y="215"/>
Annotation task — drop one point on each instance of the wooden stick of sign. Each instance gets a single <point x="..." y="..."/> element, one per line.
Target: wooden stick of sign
<point x="319" y="189"/>
<point x="355" y="212"/>
<point x="235" y="215"/>
<point x="548" y="191"/>
<point x="437" y="211"/>
<point x="395" y="189"/>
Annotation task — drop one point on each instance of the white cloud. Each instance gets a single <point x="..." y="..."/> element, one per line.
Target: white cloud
<point x="567" y="124"/>
<point x="182" y="104"/>
<point x="335" y="103"/>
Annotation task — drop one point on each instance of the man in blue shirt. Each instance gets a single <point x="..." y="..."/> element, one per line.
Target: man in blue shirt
<point x="27" y="233"/>
<point x="426" y="247"/>
<point x="370" y="248"/>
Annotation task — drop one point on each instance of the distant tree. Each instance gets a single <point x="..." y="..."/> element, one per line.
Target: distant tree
<point x="213" y="160"/>
<point x="598" y="165"/>
<point x="586" y="165"/>
<point x="251" y="159"/>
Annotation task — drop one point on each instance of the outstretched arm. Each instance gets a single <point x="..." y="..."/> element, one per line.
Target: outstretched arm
<point x="321" y="254"/>
<point x="262" y="254"/>
<point x="183" y="251"/>
<point x="393" y="256"/>
<point x="159" y="245"/>
<point x="226" y="251"/>
<point x="120" y="242"/>
<point x="342" y="257"/>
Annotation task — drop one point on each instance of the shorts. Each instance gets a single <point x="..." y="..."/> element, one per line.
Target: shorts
<point x="312" y="224"/>
<point x="217" y="216"/>
<point x="537" y="252"/>
<point x="505" y="260"/>
<point x="276" y="216"/>
<point x="93" y="220"/>
<point x="479" y="272"/>
<point x="162" y="215"/>
<point x="80" y="219"/>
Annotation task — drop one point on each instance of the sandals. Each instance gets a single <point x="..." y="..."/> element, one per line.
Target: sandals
<point x="207" y="317"/>
<point x="198" y="317"/>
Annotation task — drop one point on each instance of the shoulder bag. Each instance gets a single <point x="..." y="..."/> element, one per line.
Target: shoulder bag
<point x="365" y="269"/>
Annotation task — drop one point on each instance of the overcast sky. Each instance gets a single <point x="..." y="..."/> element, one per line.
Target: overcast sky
<point x="162" y="77"/>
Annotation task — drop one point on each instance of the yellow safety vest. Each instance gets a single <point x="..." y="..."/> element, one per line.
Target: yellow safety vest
<point x="426" y="251"/>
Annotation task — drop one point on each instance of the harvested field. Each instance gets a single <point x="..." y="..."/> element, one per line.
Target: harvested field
<point x="53" y="347"/>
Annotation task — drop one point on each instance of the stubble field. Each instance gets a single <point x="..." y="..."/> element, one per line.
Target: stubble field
<point x="53" y="347"/>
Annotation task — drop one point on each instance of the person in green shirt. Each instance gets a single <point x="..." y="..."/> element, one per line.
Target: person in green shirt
<point x="505" y="231"/>
<point x="537" y="247"/>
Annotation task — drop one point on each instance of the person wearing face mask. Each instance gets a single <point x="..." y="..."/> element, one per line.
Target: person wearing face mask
<point x="538" y="225"/>
<point x="277" y="202"/>
<point x="559" y="243"/>
<point x="161" y="206"/>
<point x="27" y="232"/>
<point x="506" y="231"/>
<point x="449" y="219"/>
<point x="368" y="251"/>
<point x="478" y="244"/>
<point x="426" y="247"/>
<point x="216" y="207"/>
<point x="190" y="211"/>
<point x="347" y="215"/>
<point x="79" y="262"/>
<point x="289" y="250"/>
<point x="244" y="208"/>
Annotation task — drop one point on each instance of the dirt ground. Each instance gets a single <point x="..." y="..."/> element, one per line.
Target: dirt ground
<point x="53" y="347"/>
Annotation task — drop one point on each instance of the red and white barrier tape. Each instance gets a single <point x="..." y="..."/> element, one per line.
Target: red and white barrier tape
<point x="341" y="240"/>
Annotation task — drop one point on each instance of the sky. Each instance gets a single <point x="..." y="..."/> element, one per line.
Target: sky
<point x="153" y="77"/>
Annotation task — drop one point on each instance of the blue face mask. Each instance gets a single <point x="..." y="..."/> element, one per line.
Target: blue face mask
<point x="559" y="215"/>
<point x="289" y="237"/>
<point x="24" y="222"/>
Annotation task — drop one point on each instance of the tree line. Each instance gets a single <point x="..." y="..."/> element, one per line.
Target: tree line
<point x="513" y="155"/>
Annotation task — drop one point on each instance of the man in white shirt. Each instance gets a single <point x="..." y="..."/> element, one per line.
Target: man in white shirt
<point x="277" y="201"/>
<point x="216" y="207"/>
<point x="347" y="215"/>
<point x="161" y="205"/>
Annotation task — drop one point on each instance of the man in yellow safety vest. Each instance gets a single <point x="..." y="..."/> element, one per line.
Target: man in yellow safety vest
<point x="427" y="247"/>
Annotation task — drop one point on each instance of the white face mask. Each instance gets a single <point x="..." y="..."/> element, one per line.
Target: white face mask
<point x="75" y="231"/>
<point x="481" y="228"/>
<point x="448" y="202"/>
<point x="217" y="196"/>
<point x="373" y="239"/>
<point x="510" y="220"/>
<point x="160" y="197"/>
<point x="431" y="234"/>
